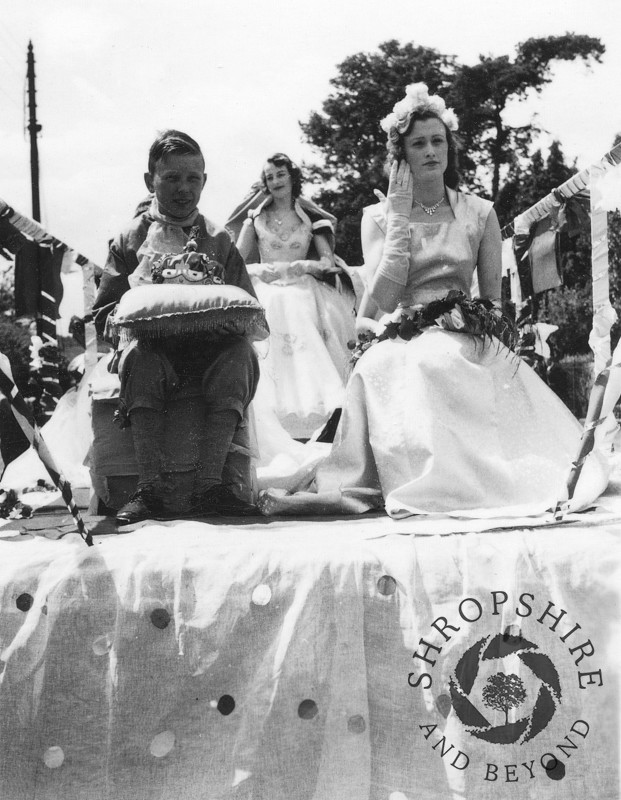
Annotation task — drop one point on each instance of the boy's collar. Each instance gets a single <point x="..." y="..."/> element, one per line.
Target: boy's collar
<point x="159" y="216"/>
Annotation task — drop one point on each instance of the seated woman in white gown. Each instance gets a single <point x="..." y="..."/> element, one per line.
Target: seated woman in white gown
<point x="305" y="362"/>
<point x="440" y="417"/>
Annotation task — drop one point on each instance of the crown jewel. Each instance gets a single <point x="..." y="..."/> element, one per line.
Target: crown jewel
<point x="187" y="267"/>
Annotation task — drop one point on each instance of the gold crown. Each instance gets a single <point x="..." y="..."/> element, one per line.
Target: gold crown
<point x="189" y="266"/>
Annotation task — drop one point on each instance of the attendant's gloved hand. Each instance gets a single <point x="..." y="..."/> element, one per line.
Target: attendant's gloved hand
<point x="264" y="272"/>
<point x="312" y="267"/>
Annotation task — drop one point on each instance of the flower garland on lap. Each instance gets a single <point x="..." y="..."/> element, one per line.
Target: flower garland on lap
<point x="455" y="312"/>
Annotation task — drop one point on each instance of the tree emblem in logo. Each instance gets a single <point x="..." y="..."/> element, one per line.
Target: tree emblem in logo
<point x="504" y="691"/>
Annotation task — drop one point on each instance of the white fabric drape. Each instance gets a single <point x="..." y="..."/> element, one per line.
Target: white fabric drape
<point x="273" y="662"/>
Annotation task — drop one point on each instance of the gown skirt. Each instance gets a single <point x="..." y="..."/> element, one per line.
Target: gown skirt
<point x="305" y="362"/>
<point x="447" y="423"/>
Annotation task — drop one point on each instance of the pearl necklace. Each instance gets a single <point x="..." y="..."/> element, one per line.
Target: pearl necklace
<point x="430" y="209"/>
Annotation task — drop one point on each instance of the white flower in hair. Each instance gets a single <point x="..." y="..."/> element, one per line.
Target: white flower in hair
<point x="403" y="107"/>
<point x="417" y="99"/>
<point x="437" y="105"/>
<point x="418" y="92"/>
<point x="389" y="122"/>
<point x="449" y="118"/>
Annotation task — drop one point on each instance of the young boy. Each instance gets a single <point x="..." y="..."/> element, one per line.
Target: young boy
<point x="225" y="371"/>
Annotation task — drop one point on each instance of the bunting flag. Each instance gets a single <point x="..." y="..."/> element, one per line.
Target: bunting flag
<point x="23" y="417"/>
<point x="11" y="240"/>
<point x="537" y="251"/>
<point x="521" y="244"/>
<point x="13" y="440"/>
<point x="38" y="285"/>
<point x="16" y="228"/>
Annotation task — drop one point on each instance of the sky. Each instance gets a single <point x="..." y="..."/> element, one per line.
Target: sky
<point x="239" y="76"/>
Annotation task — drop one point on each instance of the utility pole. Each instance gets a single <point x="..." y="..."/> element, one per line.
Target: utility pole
<point x="34" y="129"/>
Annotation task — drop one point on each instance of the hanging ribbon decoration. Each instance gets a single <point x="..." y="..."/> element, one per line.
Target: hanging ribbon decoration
<point x="598" y="414"/>
<point x="88" y="293"/>
<point x="604" y="315"/>
<point x="599" y="422"/>
<point x="576" y="184"/>
<point x="600" y="425"/>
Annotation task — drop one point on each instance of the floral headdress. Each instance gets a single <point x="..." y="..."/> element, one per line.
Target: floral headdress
<point x="417" y="100"/>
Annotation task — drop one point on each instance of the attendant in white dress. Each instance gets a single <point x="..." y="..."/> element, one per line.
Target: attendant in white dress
<point x="440" y="416"/>
<point x="306" y="362"/>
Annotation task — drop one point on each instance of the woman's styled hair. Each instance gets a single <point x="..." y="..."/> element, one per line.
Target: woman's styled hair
<point x="396" y="150"/>
<point x="282" y="160"/>
<point x="172" y="142"/>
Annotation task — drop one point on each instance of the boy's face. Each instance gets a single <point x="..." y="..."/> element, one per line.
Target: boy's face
<point x="177" y="182"/>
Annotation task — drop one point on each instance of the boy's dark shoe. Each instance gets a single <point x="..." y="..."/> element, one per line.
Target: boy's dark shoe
<point x="143" y="504"/>
<point x="220" y="499"/>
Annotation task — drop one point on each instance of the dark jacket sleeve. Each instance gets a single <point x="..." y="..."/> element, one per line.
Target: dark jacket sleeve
<point x="112" y="286"/>
<point x="121" y="262"/>
<point x="235" y="269"/>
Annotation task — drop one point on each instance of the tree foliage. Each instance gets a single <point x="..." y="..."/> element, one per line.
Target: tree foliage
<point x="348" y="135"/>
<point x="14" y="338"/>
<point x="481" y="93"/>
<point x="495" y="159"/>
<point x="351" y="145"/>
<point x="7" y="286"/>
<point x="530" y="180"/>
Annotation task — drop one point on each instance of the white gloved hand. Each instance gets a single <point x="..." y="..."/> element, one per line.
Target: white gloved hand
<point x="264" y="272"/>
<point x="400" y="196"/>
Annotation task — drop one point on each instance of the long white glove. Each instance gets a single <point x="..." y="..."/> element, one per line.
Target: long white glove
<point x="396" y="251"/>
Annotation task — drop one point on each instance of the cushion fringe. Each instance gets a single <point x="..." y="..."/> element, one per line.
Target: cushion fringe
<point x="218" y="322"/>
